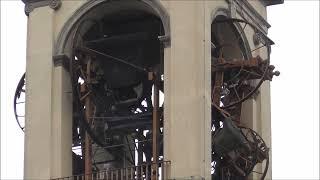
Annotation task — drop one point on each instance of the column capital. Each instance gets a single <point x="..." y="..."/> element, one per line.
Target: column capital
<point x="30" y="5"/>
<point x="61" y="60"/>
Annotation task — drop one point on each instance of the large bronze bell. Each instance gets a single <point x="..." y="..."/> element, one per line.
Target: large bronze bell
<point x="228" y="138"/>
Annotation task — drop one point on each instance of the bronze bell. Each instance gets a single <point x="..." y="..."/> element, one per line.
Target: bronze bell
<point x="228" y="138"/>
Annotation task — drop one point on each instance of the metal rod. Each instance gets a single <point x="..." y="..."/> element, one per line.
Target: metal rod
<point x="122" y="117"/>
<point x="140" y="151"/>
<point x="130" y="151"/>
<point x="141" y="171"/>
<point x="127" y="177"/>
<point x="147" y="172"/>
<point x="217" y="88"/>
<point x="92" y="51"/>
<point x="119" y="145"/>
<point x="258" y="48"/>
<point x="140" y="116"/>
<point x="132" y="173"/>
<point x="88" y="143"/>
<point x="216" y="93"/>
<point x="155" y="127"/>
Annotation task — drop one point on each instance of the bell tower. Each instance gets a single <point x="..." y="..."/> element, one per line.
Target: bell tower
<point x="148" y="89"/>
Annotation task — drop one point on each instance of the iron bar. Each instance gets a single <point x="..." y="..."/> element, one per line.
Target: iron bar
<point x="140" y="150"/>
<point x="217" y="87"/>
<point x="119" y="118"/>
<point x="258" y="48"/>
<point x="118" y="145"/>
<point x="120" y="39"/>
<point x="155" y="127"/>
<point x="92" y="51"/>
<point x="130" y="151"/>
<point x="88" y="141"/>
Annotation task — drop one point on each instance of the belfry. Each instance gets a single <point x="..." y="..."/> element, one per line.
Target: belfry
<point x="147" y="89"/>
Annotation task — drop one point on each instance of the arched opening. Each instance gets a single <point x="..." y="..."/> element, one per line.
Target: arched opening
<point x="227" y="45"/>
<point x="236" y="76"/>
<point x="116" y="66"/>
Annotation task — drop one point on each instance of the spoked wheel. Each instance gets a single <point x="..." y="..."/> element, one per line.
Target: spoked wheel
<point x="260" y="152"/>
<point x="19" y="102"/>
<point x="247" y="157"/>
<point x="241" y="80"/>
<point x="237" y="76"/>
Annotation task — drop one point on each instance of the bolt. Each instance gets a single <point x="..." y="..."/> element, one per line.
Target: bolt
<point x="276" y="73"/>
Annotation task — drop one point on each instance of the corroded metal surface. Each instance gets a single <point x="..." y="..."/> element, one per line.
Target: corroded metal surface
<point x="236" y="150"/>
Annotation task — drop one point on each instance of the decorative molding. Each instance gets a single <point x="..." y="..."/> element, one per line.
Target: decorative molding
<point x="232" y="9"/>
<point x="61" y="60"/>
<point x="33" y="4"/>
<point x="55" y="4"/>
<point x="261" y="38"/>
<point x="248" y="12"/>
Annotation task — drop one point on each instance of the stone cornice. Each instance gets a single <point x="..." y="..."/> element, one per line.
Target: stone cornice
<point x="30" y="5"/>
<point x="248" y="13"/>
<point x="272" y="2"/>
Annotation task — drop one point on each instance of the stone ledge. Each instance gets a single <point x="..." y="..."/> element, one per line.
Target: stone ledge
<point x="30" y="5"/>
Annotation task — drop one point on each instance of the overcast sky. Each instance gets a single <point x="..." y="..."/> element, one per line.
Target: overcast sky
<point x="295" y="94"/>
